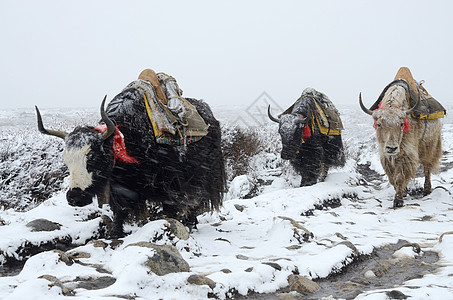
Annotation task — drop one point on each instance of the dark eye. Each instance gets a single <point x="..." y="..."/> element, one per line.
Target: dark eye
<point x="402" y="124"/>
<point x="378" y="124"/>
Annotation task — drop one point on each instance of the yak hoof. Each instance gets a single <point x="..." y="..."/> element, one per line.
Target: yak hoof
<point x="398" y="203"/>
<point x="116" y="233"/>
<point x="307" y="183"/>
<point x="426" y="191"/>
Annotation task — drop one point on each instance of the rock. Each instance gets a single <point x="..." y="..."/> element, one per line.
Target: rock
<point x="226" y="271"/>
<point x="349" y="245"/>
<point x="166" y="259"/>
<point x="54" y="281"/>
<point x="369" y="274"/>
<point x="302" y="284"/>
<point x="94" y="283"/>
<point x="177" y="229"/>
<point x="64" y="257"/>
<point x="382" y="268"/>
<point x="242" y="257"/>
<point x="361" y="281"/>
<point x="294" y="247"/>
<point x="43" y="225"/>
<point x="201" y="280"/>
<point x="396" y="295"/>
<point x="77" y="254"/>
<point x="248" y="270"/>
<point x="240" y="207"/>
<point x="116" y="243"/>
<point x="301" y="234"/>
<point x="289" y="296"/>
<point x="98" y="244"/>
<point x="273" y="265"/>
<point x="240" y="187"/>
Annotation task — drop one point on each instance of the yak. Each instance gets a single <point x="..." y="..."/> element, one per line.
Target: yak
<point x="404" y="141"/>
<point x="310" y="151"/>
<point x="121" y="161"/>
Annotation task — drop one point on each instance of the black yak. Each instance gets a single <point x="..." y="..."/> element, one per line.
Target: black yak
<point x="311" y="146"/>
<point x="121" y="161"/>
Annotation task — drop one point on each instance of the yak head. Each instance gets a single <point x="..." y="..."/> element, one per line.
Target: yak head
<point x="294" y="131"/>
<point x="89" y="156"/>
<point x="391" y="119"/>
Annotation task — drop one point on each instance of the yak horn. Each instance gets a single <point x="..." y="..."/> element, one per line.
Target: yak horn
<point x="271" y="116"/>
<point x="110" y="125"/>
<point x="410" y="111"/>
<point x="57" y="133"/>
<point x="365" y="110"/>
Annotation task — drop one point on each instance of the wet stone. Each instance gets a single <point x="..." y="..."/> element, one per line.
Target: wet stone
<point x="302" y="284"/>
<point x="43" y="225"/>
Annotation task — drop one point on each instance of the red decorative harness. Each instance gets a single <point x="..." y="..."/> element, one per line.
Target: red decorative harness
<point x="407" y="125"/>
<point x="306" y="132"/>
<point x="119" y="147"/>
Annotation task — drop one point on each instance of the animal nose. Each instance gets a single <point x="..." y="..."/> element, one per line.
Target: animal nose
<point x="391" y="149"/>
<point x="78" y="197"/>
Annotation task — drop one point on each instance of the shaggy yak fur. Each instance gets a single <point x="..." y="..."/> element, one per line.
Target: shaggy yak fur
<point x="183" y="181"/>
<point x="404" y="141"/>
<point x="310" y="152"/>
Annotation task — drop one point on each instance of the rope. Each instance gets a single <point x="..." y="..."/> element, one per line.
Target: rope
<point x="419" y="85"/>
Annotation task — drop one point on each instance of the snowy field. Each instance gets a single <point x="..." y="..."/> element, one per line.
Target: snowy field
<point x="250" y="245"/>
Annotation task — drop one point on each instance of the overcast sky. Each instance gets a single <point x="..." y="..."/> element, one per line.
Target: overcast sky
<point x="72" y="53"/>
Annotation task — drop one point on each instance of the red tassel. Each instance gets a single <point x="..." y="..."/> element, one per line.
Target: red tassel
<point x="407" y="125"/>
<point x="119" y="147"/>
<point x="306" y="132"/>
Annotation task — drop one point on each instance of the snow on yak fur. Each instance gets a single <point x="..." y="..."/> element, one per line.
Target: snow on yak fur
<point x="184" y="181"/>
<point x="404" y="141"/>
<point x="309" y="151"/>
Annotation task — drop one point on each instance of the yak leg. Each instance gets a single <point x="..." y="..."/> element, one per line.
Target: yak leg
<point x="118" y="221"/>
<point x="323" y="172"/>
<point x="309" y="164"/>
<point x="427" y="185"/>
<point x="121" y="197"/>
<point x="398" y="200"/>
<point x="309" y="173"/>
<point x="399" y="182"/>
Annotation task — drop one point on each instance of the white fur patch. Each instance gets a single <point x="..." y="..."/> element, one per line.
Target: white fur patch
<point x="76" y="160"/>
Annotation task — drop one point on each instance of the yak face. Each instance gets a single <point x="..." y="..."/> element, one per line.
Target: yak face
<point x="390" y="125"/>
<point x="291" y="131"/>
<point x="90" y="160"/>
<point x="88" y="155"/>
<point x="391" y="119"/>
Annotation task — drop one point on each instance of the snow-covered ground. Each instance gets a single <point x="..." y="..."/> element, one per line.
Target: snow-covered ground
<point x="250" y="245"/>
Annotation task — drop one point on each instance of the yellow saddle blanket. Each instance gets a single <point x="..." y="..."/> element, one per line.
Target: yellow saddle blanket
<point x="169" y="128"/>
<point x="326" y="116"/>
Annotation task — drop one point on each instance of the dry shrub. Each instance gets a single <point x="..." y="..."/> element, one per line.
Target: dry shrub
<point x="239" y="145"/>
